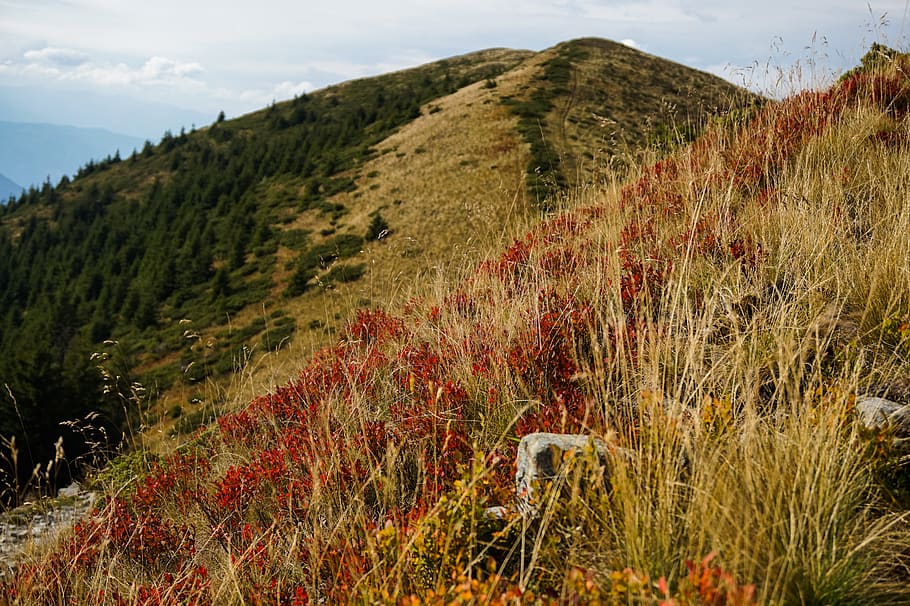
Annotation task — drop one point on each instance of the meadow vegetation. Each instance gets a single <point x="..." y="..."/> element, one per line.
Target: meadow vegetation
<point x="713" y="317"/>
<point x="253" y="239"/>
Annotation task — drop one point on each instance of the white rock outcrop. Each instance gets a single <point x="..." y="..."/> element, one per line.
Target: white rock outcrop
<point x="877" y="414"/>
<point x="544" y="457"/>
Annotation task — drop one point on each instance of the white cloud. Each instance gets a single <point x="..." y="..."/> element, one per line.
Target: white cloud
<point x="286" y="89"/>
<point x="156" y="77"/>
<point x="347" y="70"/>
<point x="162" y="68"/>
<point x="70" y="66"/>
<point x="637" y="11"/>
<point x="207" y="53"/>
<point x="49" y="55"/>
<point x="260" y="97"/>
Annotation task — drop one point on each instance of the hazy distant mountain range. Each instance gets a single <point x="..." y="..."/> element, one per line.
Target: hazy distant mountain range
<point x="31" y="153"/>
<point x="147" y="120"/>
<point x="8" y="188"/>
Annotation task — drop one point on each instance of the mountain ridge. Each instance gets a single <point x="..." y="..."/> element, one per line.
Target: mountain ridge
<point x="96" y="109"/>
<point x="217" y="248"/>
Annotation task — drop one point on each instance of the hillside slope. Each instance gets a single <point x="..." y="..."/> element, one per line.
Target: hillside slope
<point x="713" y="319"/>
<point x="215" y="250"/>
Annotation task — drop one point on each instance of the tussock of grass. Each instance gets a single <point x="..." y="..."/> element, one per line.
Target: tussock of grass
<point x="714" y="318"/>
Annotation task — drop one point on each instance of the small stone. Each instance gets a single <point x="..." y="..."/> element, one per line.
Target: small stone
<point x="874" y="413"/>
<point x="877" y="414"/>
<point x="73" y="490"/>
<point x="543" y="456"/>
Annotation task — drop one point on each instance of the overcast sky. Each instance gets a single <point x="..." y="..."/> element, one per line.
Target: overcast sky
<point x="112" y="63"/>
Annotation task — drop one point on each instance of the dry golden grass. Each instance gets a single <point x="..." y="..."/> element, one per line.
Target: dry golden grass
<point x="445" y="208"/>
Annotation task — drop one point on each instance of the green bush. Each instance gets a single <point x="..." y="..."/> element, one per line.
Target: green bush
<point x="345" y="273"/>
<point x="378" y="228"/>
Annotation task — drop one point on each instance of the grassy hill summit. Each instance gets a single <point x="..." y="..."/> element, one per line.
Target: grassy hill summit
<point x="714" y="319"/>
<point x="151" y="290"/>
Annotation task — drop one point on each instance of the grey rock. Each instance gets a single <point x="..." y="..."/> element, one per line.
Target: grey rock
<point x="874" y="413"/>
<point x="23" y="526"/>
<point x="880" y="414"/>
<point x="73" y="490"/>
<point x="544" y="457"/>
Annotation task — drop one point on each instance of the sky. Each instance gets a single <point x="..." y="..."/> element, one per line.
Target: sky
<point x="140" y="66"/>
